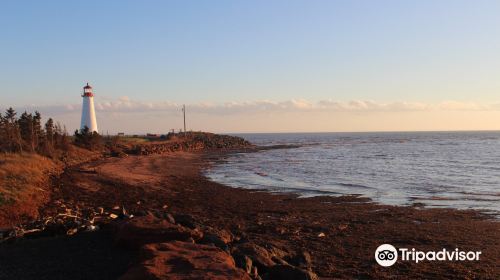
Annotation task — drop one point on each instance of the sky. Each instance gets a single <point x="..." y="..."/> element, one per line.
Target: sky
<point x="256" y="66"/>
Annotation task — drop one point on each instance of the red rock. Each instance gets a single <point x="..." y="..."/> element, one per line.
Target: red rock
<point x="219" y="238"/>
<point x="149" y="229"/>
<point x="302" y="259"/>
<point x="181" y="260"/>
<point x="259" y="255"/>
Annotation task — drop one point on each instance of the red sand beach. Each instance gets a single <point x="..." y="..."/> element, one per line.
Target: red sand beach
<point x="331" y="237"/>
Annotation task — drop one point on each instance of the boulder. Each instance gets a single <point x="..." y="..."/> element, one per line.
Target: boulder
<point x="260" y="256"/>
<point x="243" y="262"/>
<point x="186" y="220"/>
<point x="276" y="252"/>
<point x="302" y="259"/>
<point x="220" y="238"/>
<point x="149" y="229"/>
<point x="180" y="260"/>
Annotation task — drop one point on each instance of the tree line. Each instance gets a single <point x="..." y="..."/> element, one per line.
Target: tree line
<point x="26" y="133"/>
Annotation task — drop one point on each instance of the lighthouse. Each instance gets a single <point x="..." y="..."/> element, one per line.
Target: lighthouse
<point x="88" y="110"/>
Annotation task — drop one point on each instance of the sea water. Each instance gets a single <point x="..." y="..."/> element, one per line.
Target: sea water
<point x="436" y="169"/>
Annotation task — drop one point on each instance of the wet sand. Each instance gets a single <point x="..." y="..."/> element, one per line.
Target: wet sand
<point x="340" y="233"/>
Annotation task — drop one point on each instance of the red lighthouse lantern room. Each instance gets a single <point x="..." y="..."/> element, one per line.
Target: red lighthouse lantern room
<point x="87" y="91"/>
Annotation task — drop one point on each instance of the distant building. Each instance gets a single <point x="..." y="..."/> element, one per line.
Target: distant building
<point x="88" y="110"/>
<point x="121" y="134"/>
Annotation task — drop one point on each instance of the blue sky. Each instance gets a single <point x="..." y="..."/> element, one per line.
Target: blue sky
<point x="246" y="51"/>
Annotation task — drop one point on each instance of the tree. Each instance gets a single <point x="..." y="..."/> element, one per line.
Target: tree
<point x="13" y="140"/>
<point x="88" y="139"/>
<point x="61" y="138"/>
<point x="3" y="136"/>
<point x="26" y="133"/>
<point x="46" y="145"/>
<point x="49" y="131"/>
<point x="37" y="130"/>
<point x="25" y="123"/>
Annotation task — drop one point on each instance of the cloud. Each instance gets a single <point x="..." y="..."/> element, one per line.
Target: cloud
<point x="372" y="106"/>
<point x="466" y="106"/>
<point x="298" y="115"/>
<point x="127" y="105"/>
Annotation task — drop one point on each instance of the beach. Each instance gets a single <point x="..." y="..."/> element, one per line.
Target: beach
<point x="250" y="140"/>
<point x="339" y="233"/>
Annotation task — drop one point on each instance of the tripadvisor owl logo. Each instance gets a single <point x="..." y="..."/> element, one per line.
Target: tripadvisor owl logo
<point x="386" y="255"/>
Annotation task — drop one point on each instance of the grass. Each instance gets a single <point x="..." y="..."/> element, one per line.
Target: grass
<point x="24" y="183"/>
<point x="133" y="140"/>
<point x="21" y="174"/>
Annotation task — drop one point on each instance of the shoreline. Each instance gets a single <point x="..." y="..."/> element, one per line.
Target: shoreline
<point x="339" y="233"/>
<point x="431" y="201"/>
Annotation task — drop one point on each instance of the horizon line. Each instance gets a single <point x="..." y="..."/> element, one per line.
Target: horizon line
<point x="322" y="132"/>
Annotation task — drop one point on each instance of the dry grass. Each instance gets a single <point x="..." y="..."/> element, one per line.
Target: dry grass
<point x="21" y="172"/>
<point x="24" y="185"/>
<point x="133" y="140"/>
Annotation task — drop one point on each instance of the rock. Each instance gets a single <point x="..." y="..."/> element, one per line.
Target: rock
<point x="276" y="252"/>
<point x="71" y="231"/>
<point x="113" y="216"/>
<point x="302" y="259"/>
<point x="280" y="230"/>
<point x="169" y="218"/>
<point x="149" y="229"/>
<point x="255" y="273"/>
<point x="278" y="260"/>
<point x="225" y="235"/>
<point x="186" y="220"/>
<point x="343" y="227"/>
<point x="209" y="238"/>
<point x="122" y="154"/>
<point x="242" y="237"/>
<point x="92" y="228"/>
<point x="125" y="214"/>
<point x="243" y="262"/>
<point x="321" y="234"/>
<point x="260" y="256"/>
<point x="220" y="238"/>
<point x="288" y="272"/>
<point x="181" y="260"/>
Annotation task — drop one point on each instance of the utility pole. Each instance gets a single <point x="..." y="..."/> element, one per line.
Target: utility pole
<point x="184" y="113"/>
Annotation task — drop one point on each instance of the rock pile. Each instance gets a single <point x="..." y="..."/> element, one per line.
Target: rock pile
<point x="184" y="260"/>
<point x="194" y="141"/>
<point x="272" y="263"/>
<point x="177" y="247"/>
<point x="174" y="246"/>
<point x="136" y="232"/>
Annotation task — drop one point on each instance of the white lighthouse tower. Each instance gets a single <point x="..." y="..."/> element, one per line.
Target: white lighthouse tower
<point x="88" y="110"/>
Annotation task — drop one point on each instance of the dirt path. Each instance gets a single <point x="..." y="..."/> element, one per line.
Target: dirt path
<point x="341" y="234"/>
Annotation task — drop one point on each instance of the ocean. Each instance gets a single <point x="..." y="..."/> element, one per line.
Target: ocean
<point x="437" y="169"/>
